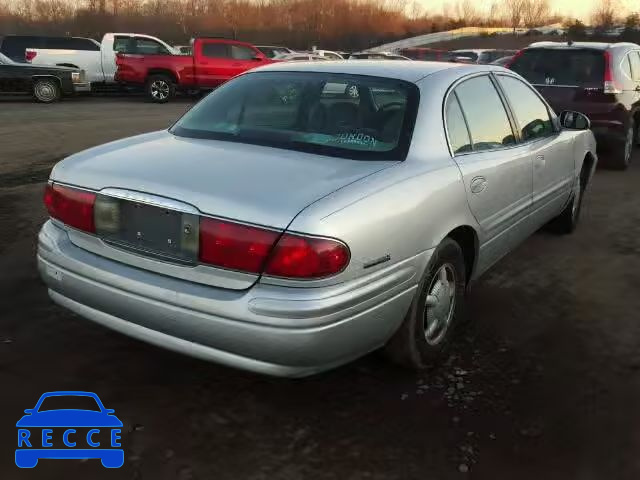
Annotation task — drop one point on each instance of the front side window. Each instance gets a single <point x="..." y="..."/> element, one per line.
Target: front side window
<point x="309" y="111"/>
<point x="530" y="112"/>
<point x="485" y="113"/>
<point x="456" y="127"/>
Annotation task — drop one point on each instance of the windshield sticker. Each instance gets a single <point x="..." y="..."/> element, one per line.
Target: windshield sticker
<point x="359" y="139"/>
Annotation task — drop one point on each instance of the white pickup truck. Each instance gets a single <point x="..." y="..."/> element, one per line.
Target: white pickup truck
<point x="98" y="60"/>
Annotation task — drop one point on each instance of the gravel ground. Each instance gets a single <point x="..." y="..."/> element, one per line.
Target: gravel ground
<point x="545" y="382"/>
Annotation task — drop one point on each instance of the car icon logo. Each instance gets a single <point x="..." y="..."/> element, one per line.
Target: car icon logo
<point x="92" y="431"/>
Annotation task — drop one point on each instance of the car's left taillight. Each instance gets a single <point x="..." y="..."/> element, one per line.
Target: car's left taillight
<point x="29" y="55"/>
<point x="71" y="206"/>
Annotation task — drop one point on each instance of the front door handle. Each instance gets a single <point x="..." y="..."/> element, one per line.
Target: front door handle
<point x="540" y="158"/>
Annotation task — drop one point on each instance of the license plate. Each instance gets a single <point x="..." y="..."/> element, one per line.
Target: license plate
<point x="148" y="229"/>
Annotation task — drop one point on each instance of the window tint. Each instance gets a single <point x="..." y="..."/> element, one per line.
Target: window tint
<point x="456" y="126"/>
<point x="532" y="115"/>
<point x="84" y="44"/>
<point x="215" y="50"/>
<point x="635" y="66"/>
<point x="147" y="46"/>
<point x="242" y="53"/>
<point x="307" y="111"/>
<point x="59" y="43"/>
<point x="581" y="68"/>
<point x="487" y="118"/>
<point x="473" y="56"/>
<point x="123" y="45"/>
<point x="14" y="47"/>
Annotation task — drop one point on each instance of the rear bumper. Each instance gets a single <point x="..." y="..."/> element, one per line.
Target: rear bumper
<point x="273" y="330"/>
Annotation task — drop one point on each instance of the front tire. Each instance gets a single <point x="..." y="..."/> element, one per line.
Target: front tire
<point x="437" y="308"/>
<point x="46" y="90"/>
<point x="160" y="88"/>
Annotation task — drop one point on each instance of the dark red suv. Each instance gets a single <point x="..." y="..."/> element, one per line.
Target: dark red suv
<point x="601" y="80"/>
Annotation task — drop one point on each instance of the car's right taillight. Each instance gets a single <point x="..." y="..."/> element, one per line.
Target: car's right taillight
<point x="30" y="55"/>
<point x="302" y="257"/>
<point x="258" y="250"/>
<point x="609" y="83"/>
<point x="71" y="206"/>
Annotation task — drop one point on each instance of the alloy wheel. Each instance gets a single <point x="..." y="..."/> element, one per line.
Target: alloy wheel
<point x="440" y="304"/>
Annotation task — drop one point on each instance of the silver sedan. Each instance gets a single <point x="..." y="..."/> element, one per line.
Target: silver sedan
<point x="286" y="227"/>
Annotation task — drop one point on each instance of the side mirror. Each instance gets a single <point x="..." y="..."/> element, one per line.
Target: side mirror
<point x="256" y="59"/>
<point x="29" y="411"/>
<point x="574" y="120"/>
<point x="109" y="411"/>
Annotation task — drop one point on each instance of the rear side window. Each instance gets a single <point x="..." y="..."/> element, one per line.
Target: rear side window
<point x="215" y="50"/>
<point x="626" y="66"/>
<point x="473" y="56"/>
<point x="456" y="127"/>
<point x="485" y="114"/>
<point x="146" y="46"/>
<point x="635" y="66"/>
<point x="532" y="115"/>
<point x="561" y="67"/>
<point x="123" y="45"/>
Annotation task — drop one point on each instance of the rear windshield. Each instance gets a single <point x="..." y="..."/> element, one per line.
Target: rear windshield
<point x="14" y="46"/>
<point x="349" y="116"/>
<point x="569" y="67"/>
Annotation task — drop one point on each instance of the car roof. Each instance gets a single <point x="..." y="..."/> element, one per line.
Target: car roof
<point x="408" y="71"/>
<point x="582" y="45"/>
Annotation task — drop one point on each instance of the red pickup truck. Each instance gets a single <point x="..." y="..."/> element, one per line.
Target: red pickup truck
<point x="214" y="61"/>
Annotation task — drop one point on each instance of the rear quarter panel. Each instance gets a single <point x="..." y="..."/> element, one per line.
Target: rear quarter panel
<point x="401" y="211"/>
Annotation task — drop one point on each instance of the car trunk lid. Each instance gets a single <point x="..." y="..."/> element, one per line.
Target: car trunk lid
<point x="161" y="184"/>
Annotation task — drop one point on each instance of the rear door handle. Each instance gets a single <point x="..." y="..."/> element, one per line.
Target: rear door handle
<point x="540" y="158"/>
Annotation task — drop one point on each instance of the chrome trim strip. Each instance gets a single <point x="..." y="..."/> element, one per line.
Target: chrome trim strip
<point x="148" y="199"/>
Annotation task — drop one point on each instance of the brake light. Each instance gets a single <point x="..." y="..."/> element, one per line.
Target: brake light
<point x="518" y="54"/>
<point x="297" y="256"/>
<point x="609" y="83"/>
<point x="254" y="250"/>
<point x="71" y="206"/>
<point x="30" y="55"/>
<point x="235" y="246"/>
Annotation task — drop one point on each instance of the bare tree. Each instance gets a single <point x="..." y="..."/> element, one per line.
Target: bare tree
<point x="466" y="12"/>
<point x="514" y="11"/>
<point x="604" y="14"/>
<point x="535" y="13"/>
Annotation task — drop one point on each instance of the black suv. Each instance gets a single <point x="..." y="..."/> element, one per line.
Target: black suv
<point x="13" y="46"/>
<point x="601" y="80"/>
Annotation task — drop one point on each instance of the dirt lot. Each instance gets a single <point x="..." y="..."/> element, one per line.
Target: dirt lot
<point x="544" y="384"/>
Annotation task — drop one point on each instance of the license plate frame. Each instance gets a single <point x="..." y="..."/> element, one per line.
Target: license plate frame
<point x="147" y="229"/>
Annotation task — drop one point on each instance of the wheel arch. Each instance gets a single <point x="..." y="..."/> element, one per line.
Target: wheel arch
<point x="35" y="78"/>
<point x="162" y="71"/>
<point x="467" y="238"/>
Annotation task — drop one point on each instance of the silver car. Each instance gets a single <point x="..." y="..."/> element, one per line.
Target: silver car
<point x="285" y="229"/>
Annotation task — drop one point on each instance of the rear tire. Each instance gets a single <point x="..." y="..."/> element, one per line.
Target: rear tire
<point x="160" y="88"/>
<point x="620" y="156"/>
<point x="46" y="90"/>
<point x="427" y="330"/>
<point x="567" y="221"/>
